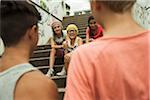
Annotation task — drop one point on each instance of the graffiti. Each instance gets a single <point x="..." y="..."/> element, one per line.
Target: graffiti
<point x="142" y="14"/>
<point x="55" y="8"/>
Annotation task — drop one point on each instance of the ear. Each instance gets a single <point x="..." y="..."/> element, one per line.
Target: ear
<point x="33" y="32"/>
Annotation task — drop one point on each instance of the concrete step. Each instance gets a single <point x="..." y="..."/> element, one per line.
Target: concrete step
<point x="83" y="25"/>
<point x="82" y="35"/>
<point x="44" y="69"/>
<point x="44" y="61"/>
<point x="60" y="81"/>
<point x="79" y="20"/>
<point x="82" y="31"/>
<point x="61" y="93"/>
<point x="40" y="53"/>
<point x="43" y="47"/>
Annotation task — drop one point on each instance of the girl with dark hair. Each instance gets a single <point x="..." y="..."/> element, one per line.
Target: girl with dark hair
<point x="94" y="30"/>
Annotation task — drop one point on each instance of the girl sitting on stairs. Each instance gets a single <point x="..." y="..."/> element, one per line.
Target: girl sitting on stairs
<point x="71" y="43"/>
<point x="94" y="30"/>
<point x="56" y="45"/>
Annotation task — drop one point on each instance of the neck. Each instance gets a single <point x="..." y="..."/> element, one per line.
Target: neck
<point x="59" y="35"/>
<point x="94" y="30"/>
<point x="122" y="24"/>
<point x="13" y="56"/>
<point x="72" y="41"/>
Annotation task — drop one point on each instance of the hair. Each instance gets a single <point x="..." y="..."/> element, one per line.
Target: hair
<point x="57" y="22"/>
<point x="72" y="26"/>
<point x="119" y="6"/>
<point x="89" y="19"/>
<point x="16" y="18"/>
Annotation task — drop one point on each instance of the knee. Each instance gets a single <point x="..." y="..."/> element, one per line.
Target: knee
<point x="53" y="51"/>
<point x="66" y="58"/>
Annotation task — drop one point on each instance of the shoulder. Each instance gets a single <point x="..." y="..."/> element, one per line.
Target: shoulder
<point x="34" y="85"/>
<point x="99" y="27"/>
<point x="52" y="38"/>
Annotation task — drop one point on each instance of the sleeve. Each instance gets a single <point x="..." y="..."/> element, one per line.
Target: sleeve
<point x="99" y="32"/>
<point x="77" y="82"/>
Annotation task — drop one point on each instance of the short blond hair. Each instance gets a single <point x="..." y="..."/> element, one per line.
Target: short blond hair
<point x="119" y="6"/>
<point x="72" y="26"/>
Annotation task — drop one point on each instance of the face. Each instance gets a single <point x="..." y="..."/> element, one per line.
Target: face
<point x="72" y="34"/>
<point x="92" y="24"/>
<point x="57" y="29"/>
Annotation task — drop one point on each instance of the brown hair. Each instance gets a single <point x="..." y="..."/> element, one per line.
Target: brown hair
<point x="119" y="6"/>
<point x="16" y="18"/>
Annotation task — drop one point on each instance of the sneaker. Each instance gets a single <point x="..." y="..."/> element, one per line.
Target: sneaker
<point x="50" y="72"/>
<point x="63" y="72"/>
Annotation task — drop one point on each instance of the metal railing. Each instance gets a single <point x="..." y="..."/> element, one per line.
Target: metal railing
<point x="44" y="10"/>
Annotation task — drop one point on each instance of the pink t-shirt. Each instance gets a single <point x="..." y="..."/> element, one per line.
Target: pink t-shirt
<point x="110" y="68"/>
<point x="97" y="34"/>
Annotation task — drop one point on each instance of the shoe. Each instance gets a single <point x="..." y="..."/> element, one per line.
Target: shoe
<point x="63" y="72"/>
<point x="50" y="72"/>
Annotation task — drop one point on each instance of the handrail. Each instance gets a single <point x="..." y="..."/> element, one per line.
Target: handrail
<point x="45" y="10"/>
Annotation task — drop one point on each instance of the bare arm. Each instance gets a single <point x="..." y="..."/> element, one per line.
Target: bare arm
<point x="35" y="86"/>
<point x="80" y="42"/>
<point x="87" y="36"/>
<point x="65" y="46"/>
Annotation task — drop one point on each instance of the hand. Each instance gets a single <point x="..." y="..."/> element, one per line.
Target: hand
<point x="67" y="57"/>
<point x="65" y="44"/>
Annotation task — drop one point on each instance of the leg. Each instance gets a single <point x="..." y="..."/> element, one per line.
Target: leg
<point x="66" y="63"/>
<point x="67" y="60"/>
<point x="52" y="60"/>
<point x="52" y="57"/>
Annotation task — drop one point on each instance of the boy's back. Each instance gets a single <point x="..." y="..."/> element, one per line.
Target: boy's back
<point x="24" y="82"/>
<point x="116" y="66"/>
<point x="118" y="69"/>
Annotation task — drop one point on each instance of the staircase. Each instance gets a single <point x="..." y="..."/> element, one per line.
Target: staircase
<point x="80" y="20"/>
<point x="40" y="59"/>
<point x="41" y="55"/>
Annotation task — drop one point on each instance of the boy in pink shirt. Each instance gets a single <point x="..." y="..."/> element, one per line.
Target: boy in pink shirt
<point x="114" y="67"/>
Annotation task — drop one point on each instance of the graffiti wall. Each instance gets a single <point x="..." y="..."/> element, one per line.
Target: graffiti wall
<point x="1" y="46"/>
<point x="55" y="8"/>
<point x="141" y="13"/>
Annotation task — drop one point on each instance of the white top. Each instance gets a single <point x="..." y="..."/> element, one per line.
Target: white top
<point x="9" y="78"/>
